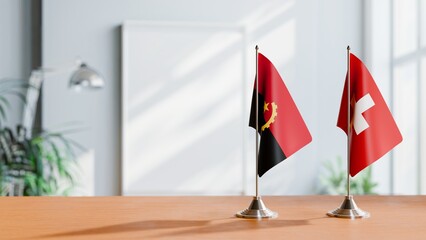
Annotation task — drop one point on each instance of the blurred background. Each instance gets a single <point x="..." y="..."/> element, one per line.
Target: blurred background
<point x="172" y="115"/>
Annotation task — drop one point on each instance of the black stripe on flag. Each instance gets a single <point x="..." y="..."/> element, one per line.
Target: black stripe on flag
<point x="270" y="152"/>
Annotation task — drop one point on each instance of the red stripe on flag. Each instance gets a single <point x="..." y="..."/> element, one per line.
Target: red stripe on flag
<point x="289" y="129"/>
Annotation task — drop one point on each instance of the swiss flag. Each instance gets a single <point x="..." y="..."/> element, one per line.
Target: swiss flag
<point x="373" y="131"/>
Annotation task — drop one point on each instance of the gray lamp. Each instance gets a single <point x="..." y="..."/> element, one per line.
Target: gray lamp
<point x="86" y="77"/>
<point x="82" y="77"/>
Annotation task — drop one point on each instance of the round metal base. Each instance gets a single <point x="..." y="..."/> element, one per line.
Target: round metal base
<point x="348" y="209"/>
<point x="257" y="209"/>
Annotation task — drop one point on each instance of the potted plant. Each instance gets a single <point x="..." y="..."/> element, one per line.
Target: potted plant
<point x="41" y="164"/>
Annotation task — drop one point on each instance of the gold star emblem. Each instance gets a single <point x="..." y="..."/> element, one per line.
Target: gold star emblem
<point x="265" y="106"/>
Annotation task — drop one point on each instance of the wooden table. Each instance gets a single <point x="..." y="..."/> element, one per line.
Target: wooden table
<point x="300" y="217"/>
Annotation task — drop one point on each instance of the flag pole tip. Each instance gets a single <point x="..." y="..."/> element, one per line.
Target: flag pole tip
<point x="348" y="48"/>
<point x="257" y="47"/>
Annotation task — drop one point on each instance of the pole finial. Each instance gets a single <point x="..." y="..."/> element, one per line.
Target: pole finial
<point x="257" y="47"/>
<point x="348" y="48"/>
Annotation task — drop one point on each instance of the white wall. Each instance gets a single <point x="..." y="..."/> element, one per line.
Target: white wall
<point x="305" y="39"/>
<point x="340" y="23"/>
<point x="15" y="47"/>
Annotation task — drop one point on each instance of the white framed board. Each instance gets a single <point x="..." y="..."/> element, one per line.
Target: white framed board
<point x="184" y="109"/>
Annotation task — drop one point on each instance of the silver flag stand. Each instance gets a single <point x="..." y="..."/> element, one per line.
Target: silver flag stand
<point x="257" y="208"/>
<point x="349" y="209"/>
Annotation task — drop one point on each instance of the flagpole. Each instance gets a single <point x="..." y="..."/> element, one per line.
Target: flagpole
<point x="257" y="122"/>
<point x="348" y="208"/>
<point x="349" y="121"/>
<point x="257" y="208"/>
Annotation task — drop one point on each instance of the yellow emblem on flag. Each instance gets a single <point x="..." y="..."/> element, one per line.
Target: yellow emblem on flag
<point x="273" y="115"/>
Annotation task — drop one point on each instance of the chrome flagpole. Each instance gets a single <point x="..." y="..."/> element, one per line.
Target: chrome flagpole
<point x="257" y="208"/>
<point x="348" y="209"/>
<point x="257" y="121"/>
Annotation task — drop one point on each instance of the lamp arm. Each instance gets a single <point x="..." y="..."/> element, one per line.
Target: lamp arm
<point x="82" y="75"/>
<point x="32" y="96"/>
<point x="33" y="93"/>
<point x="45" y="71"/>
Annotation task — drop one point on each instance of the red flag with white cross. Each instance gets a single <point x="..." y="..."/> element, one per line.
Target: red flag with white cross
<point x="373" y="131"/>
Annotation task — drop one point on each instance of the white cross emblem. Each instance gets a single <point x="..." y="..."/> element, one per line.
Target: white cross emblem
<point x="363" y="104"/>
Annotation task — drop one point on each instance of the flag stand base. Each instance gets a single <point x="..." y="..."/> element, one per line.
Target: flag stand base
<point x="257" y="209"/>
<point x="348" y="209"/>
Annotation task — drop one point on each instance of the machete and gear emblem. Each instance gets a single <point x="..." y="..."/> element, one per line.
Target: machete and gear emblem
<point x="273" y="115"/>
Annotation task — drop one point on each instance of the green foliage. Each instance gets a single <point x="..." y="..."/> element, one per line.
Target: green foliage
<point x="335" y="177"/>
<point x="36" y="166"/>
<point x="39" y="165"/>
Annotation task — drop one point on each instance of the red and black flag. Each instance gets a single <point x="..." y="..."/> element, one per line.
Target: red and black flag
<point x="281" y="127"/>
<point x="373" y="131"/>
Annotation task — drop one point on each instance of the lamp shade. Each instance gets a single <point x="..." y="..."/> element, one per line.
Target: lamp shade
<point x="86" y="77"/>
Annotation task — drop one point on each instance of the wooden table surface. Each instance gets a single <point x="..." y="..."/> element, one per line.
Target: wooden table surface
<point x="300" y="217"/>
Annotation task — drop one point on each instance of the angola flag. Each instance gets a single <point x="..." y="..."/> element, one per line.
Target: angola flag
<point x="281" y="127"/>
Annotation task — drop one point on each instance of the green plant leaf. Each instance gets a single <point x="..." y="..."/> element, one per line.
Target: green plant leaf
<point x="46" y="160"/>
<point x="334" y="179"/>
